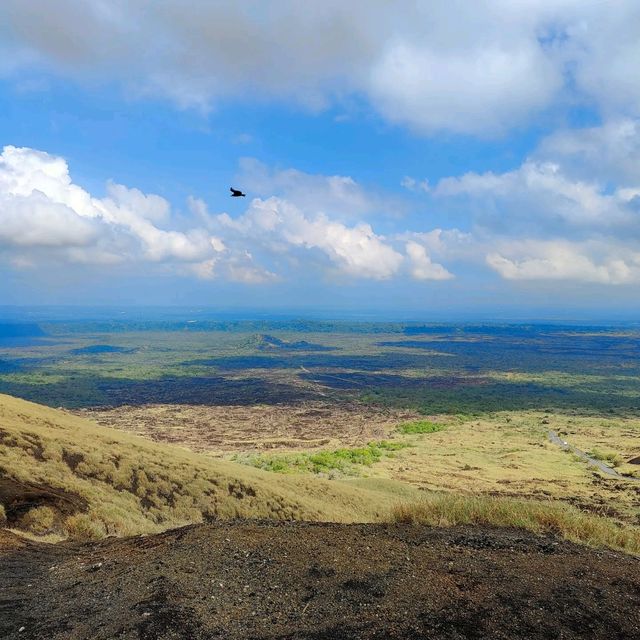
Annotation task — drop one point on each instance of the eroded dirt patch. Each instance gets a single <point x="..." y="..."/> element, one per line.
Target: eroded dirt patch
<point x="21" y="498"/>
<point x="261" y="427"/>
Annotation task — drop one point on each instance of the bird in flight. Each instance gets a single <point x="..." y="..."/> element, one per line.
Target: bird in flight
<point x="236" y="193"/>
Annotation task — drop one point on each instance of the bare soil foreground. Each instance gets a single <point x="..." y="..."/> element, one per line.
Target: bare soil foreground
<point x="317" y="581"/>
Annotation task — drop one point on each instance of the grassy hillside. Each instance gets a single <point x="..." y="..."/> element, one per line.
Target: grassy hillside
<point x="62" y="475"/>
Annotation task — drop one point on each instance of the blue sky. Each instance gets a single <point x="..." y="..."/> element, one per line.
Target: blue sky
<point x="451" y="159"/>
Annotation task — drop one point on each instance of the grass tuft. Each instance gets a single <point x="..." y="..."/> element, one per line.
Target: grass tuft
<point x="39" y="520"/>
<point x="82" y="526"/>
<point x="610" y="457"/>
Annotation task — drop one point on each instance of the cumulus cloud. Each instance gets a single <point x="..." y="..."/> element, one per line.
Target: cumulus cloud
<point x="37" y="203"/>
<point x="538" y="197"/>
<point x="444" y="244"/>
<point x="280" y="225"/>
<point x="557" y="216"/>
<point x="478" y="68"/>
<point x="45" y="215"/>
<point x="41" y="207"/>
<point x="422" y="268"/>
<point x="606" y="153"/>
<point x="242" y="269"/>
<point x="563" y="260"/>
<point x="558" y="189"/>
<point x="36" y="221"/>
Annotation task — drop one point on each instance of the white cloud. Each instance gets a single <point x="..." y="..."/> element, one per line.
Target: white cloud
<point x="411" y="184"/>
<point x="242" y="269"/>
<point x="421" y="266"/>
<point x="604" y="48"/>
<point x="45" y="216"/>
<point x="205" y="270"/>
<point x="569" y="212"/>
<point x="538" y="197"/>
<point x="36" y="221"/>
<point x="150" y="207"/>
<point x="278" y="224"/>
<point x="476" y="67"/>
<point x="482" y="90"/>
<point x="357" y="250"/>
<point x="563" y="260"/>
<point x="609" y="152"/>
<point x="445" y="244"/>
<point x="41" y="208"/>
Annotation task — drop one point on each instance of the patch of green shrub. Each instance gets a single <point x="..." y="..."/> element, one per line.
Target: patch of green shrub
<point x="344" y="461"/>
<point x="421" y="426"/>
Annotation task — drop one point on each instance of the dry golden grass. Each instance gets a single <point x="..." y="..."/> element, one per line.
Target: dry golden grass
<point x="505" y="453"/>
<point x="443" y="510"/>
<point x="615" y="440"/>
<point x="96" y="481"/>
<point x="509" y="454"/>
<point x="133" y="486"/>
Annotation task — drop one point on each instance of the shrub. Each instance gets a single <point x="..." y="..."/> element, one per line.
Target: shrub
<point x="421" y="426"/>
<point x="82" y="526"/>
<point x="342" y="460"/>
<point x="39" y="520"/>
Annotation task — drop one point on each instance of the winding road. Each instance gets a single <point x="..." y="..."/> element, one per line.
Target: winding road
<point x="606" y="469"/>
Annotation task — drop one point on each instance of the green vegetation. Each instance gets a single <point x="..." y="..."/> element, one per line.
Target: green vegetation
<point x="344" y="461"/>
<point x="421" y="426"/>
<point x="435" y="369"/>
<point x="445" y="510"/>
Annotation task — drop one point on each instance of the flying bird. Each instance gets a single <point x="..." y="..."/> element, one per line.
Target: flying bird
<point x="236" y="193"/>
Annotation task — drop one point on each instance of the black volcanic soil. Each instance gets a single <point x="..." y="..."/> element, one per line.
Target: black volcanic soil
<point x="317" y="581"/>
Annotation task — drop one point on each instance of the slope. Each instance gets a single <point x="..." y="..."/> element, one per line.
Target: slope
<point x="63" y="476"/>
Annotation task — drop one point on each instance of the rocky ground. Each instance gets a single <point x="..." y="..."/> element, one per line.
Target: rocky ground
<point x="305" y="425"/>
<point x="317" y="581"/>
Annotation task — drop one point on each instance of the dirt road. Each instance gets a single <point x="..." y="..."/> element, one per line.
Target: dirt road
<point x="605" y="468"/>
<point x="318" y="581"/>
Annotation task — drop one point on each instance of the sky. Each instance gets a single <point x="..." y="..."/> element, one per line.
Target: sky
<point x="456" y="158"/>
